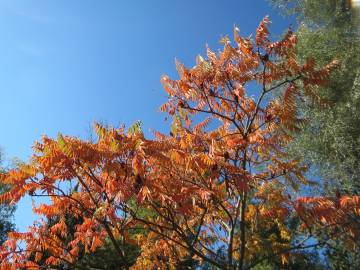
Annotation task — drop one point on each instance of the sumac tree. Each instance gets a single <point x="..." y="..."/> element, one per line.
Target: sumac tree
<point x="219" y="190"/>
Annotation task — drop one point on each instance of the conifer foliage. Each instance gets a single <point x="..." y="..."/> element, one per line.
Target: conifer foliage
<point x="220" y="189"/>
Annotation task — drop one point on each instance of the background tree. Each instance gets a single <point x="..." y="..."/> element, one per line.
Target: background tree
<point x="220" y="189"/>
<point x="6" y="212"/>
<point x="330" y="140"/>
<point x="329" y="30"/>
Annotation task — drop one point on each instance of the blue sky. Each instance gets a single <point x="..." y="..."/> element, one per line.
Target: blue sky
<point x="65" y="64"/>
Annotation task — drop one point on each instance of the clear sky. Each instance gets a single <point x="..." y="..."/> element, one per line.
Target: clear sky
<point x="65" y="64"/>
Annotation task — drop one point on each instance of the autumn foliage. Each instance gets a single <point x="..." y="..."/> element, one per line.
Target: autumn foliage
<point x="219" y="189"/>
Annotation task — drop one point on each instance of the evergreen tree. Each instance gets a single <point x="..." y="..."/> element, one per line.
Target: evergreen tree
<point x="330" y="140"/>
<point x="6" y="213"/>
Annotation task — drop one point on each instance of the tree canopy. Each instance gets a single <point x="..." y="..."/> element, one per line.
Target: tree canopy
<point x="220" y="189"/>
<point x="329" y="141"/>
